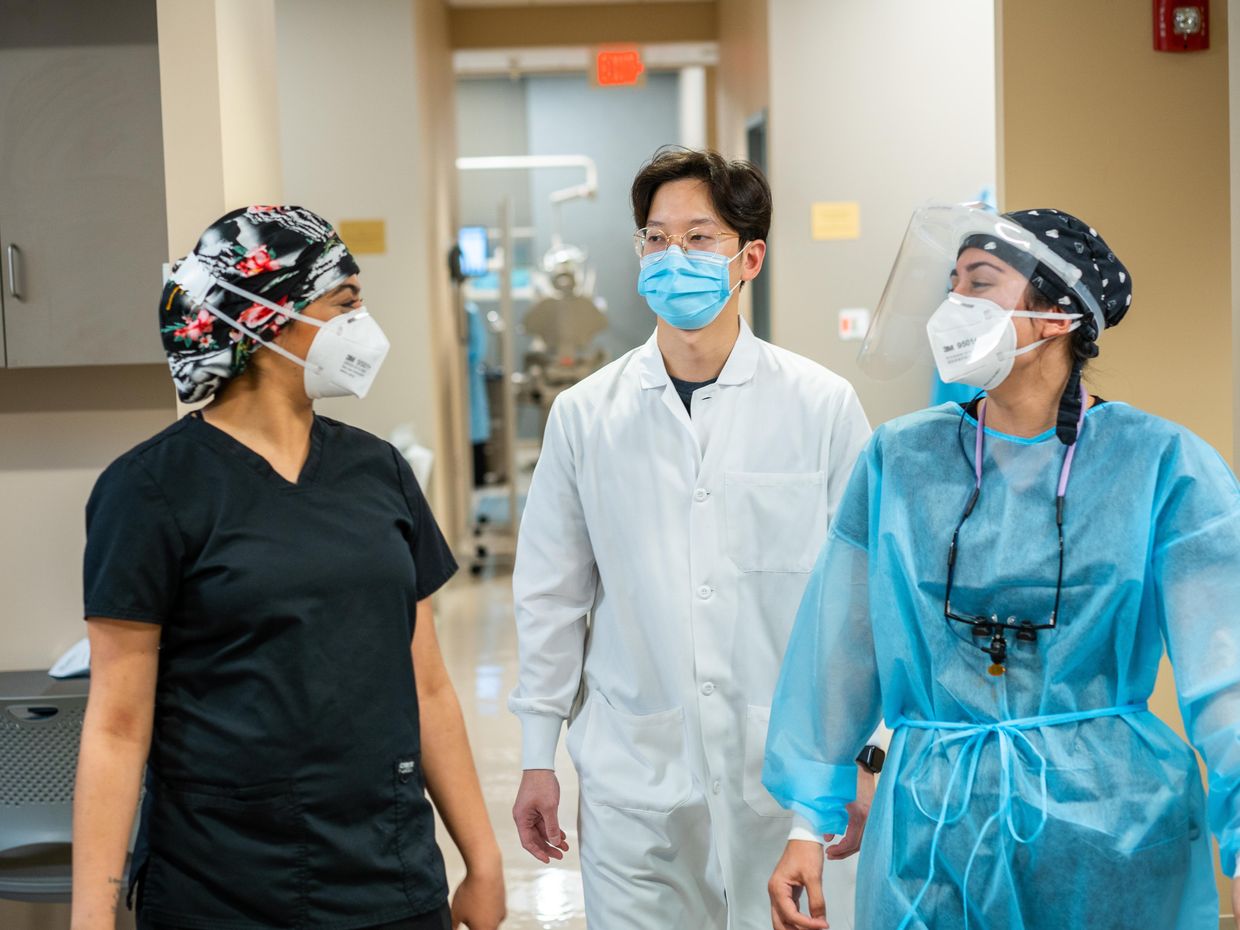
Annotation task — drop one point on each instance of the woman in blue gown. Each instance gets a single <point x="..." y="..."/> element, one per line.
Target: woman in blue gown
<point x="999" y="585"/>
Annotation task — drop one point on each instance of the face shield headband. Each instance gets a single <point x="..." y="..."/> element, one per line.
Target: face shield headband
<point x="919" y="280"/>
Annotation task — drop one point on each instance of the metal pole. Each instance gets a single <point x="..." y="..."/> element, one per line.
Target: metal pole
<point x="464" y="490"/>
<point x="508" y="360"/>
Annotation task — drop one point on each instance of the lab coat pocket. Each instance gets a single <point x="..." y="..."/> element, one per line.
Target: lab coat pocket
<point x="776" y="522"/>
<point x="227" y="853"/>
<point x="631" y="762"/>
<point x="755" y="794"/>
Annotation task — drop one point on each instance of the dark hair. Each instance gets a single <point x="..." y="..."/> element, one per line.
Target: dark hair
<point x="738" y="189"/>
<point x="1084" y="348"/>
<point x="1083" y="344"/>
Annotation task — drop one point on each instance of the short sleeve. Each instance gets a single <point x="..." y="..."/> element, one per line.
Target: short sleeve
<point x="432" y="556"/>
<point x="134" y="550"/>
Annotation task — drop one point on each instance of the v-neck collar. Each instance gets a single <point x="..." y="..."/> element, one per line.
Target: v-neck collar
<point x="229" y="444"/>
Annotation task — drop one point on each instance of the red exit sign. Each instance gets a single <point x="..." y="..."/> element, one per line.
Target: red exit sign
<point x="617" y="67"/>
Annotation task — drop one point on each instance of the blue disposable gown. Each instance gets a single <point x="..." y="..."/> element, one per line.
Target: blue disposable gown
<point x="1115" y="836"/>
<point x="479" y="405"/>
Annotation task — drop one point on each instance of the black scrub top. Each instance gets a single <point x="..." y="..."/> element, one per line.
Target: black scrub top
<point x="285" y="785"/>
<point x="686" y="388"/>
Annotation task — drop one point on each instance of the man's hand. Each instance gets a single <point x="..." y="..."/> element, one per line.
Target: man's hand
<point x="536" y="814"/>
<point x="799" y="869"/>
<point x="858" y="814"/>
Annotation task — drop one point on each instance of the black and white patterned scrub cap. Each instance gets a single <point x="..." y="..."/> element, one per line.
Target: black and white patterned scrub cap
<point x="1102" y="274"/>
<point x="1079" y="244"/>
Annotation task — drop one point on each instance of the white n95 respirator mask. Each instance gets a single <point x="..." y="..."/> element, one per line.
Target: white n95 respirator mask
<point x="345" y="356"/>
<point x="974" y="339"/>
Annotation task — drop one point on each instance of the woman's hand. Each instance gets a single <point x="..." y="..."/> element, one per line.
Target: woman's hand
<point x="858" y="814"/>
<point x="799" y="869"/>
<point x="479" y="900"/>
<point x="452" y="782"/>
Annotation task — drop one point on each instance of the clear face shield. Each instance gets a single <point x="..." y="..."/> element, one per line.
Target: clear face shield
<point x="959" y="277"/>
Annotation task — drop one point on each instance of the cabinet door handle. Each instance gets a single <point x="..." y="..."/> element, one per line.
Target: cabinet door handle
<point x="15" y="283"/>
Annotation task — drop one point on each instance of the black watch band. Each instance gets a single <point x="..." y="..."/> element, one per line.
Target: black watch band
<point x="871" y="758"/>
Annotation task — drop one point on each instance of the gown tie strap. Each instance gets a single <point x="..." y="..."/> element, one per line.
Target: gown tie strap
<point x="1020" y="763"/>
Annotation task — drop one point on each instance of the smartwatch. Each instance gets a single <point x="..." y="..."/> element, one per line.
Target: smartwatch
<point x="871" y="758"/>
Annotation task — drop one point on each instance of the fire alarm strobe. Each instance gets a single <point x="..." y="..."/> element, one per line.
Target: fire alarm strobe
<point x="1181" y="27"/>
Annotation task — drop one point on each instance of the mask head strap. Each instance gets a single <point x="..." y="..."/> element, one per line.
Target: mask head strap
<point x="196" y="280"/>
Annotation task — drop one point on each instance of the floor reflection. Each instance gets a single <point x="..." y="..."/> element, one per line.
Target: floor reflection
<point x="476" y="631"/>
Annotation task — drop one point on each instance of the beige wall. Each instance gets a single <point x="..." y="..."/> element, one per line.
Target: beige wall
<point x="582" y="24"/>
<point x="903" y="117"/>
<point x="249" y="111"/>
<point x="361" y="141"/>
<point x="193" y="135"/>
<point x="452" y="480"/>
<point x="1114" y="156"/>
<point x="221" y="122"/>
<point x="58" y="429"/>
<point x="743" y="79"/>
<point x="740" y="86"/>
<point x="217" y="77"/>
<point x="1143" y="155"/>
<point x="1233" y="82"/>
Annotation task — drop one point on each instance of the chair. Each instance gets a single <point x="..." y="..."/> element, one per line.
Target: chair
<point x="40" y="729"/>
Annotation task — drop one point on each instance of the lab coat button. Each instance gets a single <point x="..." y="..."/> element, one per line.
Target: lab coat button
<point x="716" y="786"/>
<point x="705" y="591"/>
<point x="700" y="495"/>
<point x="708" y="688"/>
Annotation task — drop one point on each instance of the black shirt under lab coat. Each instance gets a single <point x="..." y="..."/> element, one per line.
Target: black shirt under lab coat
<point x="285" y="779"/>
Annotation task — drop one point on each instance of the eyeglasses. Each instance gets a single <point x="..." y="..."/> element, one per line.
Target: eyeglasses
<point x="983" y="627"/>
<point x="992" y="627"/>
<point x="652" y="241"/>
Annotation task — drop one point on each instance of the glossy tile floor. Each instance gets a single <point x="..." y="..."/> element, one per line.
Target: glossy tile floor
<point x="478" y="637"/>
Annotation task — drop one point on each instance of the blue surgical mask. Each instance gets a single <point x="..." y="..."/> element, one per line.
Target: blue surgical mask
<point x="689" y="293"/>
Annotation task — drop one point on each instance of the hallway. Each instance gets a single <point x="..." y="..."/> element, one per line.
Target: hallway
<point x="478" y="637"/>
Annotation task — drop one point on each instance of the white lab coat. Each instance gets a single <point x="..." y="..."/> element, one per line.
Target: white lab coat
<point x="687" y="544"/>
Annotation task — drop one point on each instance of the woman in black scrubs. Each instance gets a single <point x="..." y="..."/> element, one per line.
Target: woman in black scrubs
<point x="256" y="579"/>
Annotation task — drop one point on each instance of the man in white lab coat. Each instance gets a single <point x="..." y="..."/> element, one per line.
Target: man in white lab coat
<point x="681" y="498"/>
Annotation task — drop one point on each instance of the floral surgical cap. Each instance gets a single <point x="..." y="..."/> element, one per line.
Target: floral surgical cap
<point x="287" y="255"/>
